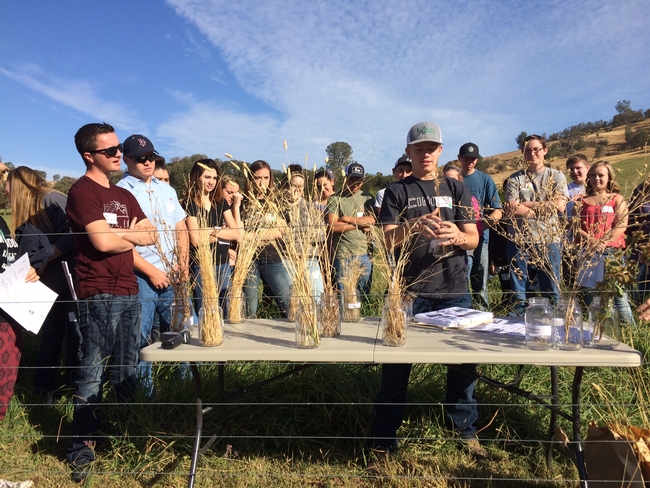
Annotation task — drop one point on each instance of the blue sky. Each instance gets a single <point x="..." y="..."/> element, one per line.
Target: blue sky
<point x="215" y="77"/>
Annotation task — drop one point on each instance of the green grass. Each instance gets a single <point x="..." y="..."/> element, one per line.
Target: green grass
<point x="310" y="429"/>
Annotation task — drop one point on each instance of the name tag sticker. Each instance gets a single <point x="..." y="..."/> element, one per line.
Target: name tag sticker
<point x="608" y="209"/>
<point x="359" y="214"/>
<point x="171" y="208"/>
<point x="111" y="218"/>
<point x="444" y="202"/>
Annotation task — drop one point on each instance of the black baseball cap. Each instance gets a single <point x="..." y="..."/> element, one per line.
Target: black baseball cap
<point x="468" y="150"/>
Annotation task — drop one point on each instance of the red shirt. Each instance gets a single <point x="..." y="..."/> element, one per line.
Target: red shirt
<point x="100" y="272"/>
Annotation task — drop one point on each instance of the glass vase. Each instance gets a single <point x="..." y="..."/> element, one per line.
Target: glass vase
<point x="393" y="324"/>
<point x="293" y="305"/>
<point x="182" y="318"/>
<point x="211" y="324"/>
<point x="567" y="325"/>
<point x="307" y="335"/>
<point x="351" y="307"/>
<point x="539" y="331"/>
<point x="329" y="321"/>
<point x="236" y="307"/>
<point x="604" y="330"/>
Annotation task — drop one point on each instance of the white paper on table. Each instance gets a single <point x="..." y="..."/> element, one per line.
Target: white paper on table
<point x="27" y="303"/>
<point x="502" y="326"/>
<point x="454" y="317"/>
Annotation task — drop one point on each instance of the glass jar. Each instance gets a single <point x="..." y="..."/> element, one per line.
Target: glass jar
<point x="539" y="317"/>
<point x="604" y="330"/>
<point x="307" y="335"/>
<point x="567" y="325"/>
<point x="393" y="324"/>
<point x="329" y="319"/>
<point x="236" y="307"/>
<point x="407" y="302"/>
<point x="182" y="318"/>
<point x="293" y="305"/>
<point x="351" y="307"/>
<point x="211" y="324"/>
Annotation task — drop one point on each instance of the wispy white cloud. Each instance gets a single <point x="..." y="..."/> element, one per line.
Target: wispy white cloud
<point x="79" y="95"/>
<point x="363" y="71"/>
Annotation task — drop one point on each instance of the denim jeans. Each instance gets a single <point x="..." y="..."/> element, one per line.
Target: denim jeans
<point x="478" y="272"/>
<point x="365" y="281"/>
<point x="461" y="408"/>
<point x="110" y="346"/>
<point x="548" y="285"/>
<point x="222" y="275"/>
<point x="153" y="302"/>
<point x="276" y="277"/>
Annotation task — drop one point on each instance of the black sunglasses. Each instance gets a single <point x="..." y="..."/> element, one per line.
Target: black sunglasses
<point x="144" y="159"/>
<point x="110" y="152"/>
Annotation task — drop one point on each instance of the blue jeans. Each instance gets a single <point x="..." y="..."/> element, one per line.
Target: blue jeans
<point x="110" y="346"/>
<point x="548" y="285"/>
<point x="364" y="283"/>
<point x="276" y="277"/>
<point x="461" y="408"/>
<point x="222" y="275"/>
<point x="478" y="272"/>
<point x="153" y="301"/>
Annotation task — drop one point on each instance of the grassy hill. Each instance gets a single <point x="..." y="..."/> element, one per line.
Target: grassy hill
<point x="631" y="165"/>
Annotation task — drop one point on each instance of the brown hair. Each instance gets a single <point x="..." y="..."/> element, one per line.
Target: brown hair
<point x="577" y="158"/>
<point x="195" y="190"/>
<point x="534" y="137"/>
<point x="250" y="183"/>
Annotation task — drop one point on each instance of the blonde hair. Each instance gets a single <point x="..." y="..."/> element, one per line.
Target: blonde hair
<point x="612" y="186"/>
<point x="27" y="191"/>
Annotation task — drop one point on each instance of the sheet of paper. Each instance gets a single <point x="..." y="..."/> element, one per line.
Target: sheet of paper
<point x="502" y="326"/>
<point x="27" y="303"/>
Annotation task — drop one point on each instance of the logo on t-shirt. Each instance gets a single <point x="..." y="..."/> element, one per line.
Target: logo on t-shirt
<point x="116" y="215"/>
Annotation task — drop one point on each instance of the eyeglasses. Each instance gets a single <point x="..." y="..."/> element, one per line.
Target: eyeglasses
<point x="533" y="149"/>
<point x="109" y="152"/>
<point x="143" y="159"/>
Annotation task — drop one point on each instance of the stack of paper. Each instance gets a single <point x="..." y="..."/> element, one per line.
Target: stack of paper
<point x="455" y="317"/>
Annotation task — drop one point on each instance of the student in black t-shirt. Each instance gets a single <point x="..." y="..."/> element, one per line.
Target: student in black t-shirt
<point x="209" y="212"/>
<point x="434" y="214"/>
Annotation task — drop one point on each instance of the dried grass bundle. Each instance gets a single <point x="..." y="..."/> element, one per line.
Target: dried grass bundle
<point x="299" y="244"/>
<point x="392" y="270"/>
<point x="211" y="320"/>
<point x="351" y="300"/>
<point x="175" y="265"/>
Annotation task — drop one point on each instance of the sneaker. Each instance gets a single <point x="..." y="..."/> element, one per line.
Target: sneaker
<point x="476" y="449"/>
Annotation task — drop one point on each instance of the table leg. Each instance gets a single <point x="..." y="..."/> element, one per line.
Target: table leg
<point x="577" y="438"/>
<point x="553" y="422"/>
<point x="198" y="394"/>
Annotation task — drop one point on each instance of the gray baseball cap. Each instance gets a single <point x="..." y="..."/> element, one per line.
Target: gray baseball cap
<point x="424" y="132"/>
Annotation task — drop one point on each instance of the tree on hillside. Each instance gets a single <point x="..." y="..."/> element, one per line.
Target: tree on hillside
<point x="63" y="185"/>
<point x="339" y="155"/>
<point x="56" y="178"/>
<point x="623" y="106"/>
<point x="520" y="140"/>
<point x="625" y="114"/>
<point x="42" y="174"/>
<point x="635" y="139"/>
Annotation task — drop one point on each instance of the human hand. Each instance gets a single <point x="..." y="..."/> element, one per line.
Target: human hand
<point x="644" y="310"/>
<point x="32" y="276"/>
<point x="159" y="279"/>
